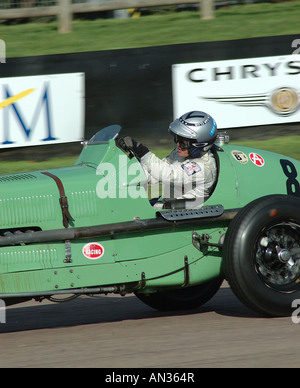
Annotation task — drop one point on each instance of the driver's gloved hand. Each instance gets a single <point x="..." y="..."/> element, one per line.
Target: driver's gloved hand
<point x="139" y="149"/>
<point x="125" y="143"/>
<point x="128" y="144"/>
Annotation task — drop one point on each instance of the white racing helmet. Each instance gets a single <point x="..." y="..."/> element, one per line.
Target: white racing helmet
<point x="194" y="129"/>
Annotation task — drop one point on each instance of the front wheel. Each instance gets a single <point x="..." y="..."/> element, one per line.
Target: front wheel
<point x="261" y="254"/>
<point x="182" y="299"/>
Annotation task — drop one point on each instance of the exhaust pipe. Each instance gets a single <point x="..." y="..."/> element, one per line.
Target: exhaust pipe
<point x="116" y="228"/>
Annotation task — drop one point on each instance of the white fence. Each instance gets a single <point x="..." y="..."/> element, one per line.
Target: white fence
<point x="64" y="9"/>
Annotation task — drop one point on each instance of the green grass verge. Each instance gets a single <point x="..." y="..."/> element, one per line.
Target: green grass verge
<point x="288" y="146"/>
<point x="232" y="22"/>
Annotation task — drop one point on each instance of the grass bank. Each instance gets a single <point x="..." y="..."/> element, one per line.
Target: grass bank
<point x="232" y="22"/>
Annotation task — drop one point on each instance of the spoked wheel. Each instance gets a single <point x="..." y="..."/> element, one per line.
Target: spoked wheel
<point x="182" y="299"/>
<point x="277" y="257"/>
<point x="261" y="255"/>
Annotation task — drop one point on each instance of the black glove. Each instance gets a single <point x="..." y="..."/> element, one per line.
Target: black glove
<point x="125" y="143"/>
<point x="139" y="149"/>
<point x="128" y="144"/>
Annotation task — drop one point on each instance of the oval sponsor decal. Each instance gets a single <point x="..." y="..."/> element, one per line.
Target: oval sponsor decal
<point x="256" y="159"/>
<point x="93" y="251"/>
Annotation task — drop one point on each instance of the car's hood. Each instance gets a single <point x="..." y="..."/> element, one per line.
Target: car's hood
<point x="33" y="198"/>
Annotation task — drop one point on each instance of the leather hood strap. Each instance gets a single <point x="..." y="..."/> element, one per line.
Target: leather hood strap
<point x="63" y="200"/>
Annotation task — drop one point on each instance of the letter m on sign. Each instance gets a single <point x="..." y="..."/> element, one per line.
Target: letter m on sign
<point x="42" y="109"/>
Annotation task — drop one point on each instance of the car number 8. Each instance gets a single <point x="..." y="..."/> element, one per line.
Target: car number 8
<point x="292" y="185"/>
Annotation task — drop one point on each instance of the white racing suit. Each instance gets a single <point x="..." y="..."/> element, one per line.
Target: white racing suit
<point x="182" y="178"/>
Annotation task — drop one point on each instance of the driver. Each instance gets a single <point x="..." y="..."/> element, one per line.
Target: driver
<point x="189" y="171"/>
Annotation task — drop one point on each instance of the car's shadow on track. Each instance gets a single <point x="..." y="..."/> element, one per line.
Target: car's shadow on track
<point x="105" y="309"/>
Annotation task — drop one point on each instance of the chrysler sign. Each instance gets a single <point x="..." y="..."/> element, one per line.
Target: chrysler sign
<point x="241" y="92"/>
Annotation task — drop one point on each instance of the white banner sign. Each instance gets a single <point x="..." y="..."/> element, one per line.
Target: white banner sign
<point x="42" y="109"/>
<point x="241" y="92"/>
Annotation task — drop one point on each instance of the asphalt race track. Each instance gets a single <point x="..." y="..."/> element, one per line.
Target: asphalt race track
<point x="122" y="332"/>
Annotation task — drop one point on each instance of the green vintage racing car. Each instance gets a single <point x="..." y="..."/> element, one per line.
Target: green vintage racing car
<point x="60" y="239"/>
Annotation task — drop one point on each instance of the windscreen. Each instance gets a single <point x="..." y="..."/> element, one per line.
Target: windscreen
<point x="107" y="133"/>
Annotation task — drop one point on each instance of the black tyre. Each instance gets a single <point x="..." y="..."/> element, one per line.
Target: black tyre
<point x="182" y="299"/>
<point x="261" y="254"/>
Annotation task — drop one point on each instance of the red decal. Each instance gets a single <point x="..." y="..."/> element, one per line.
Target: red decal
<point x="93" y="250"/>
<point x="257" y="159"/>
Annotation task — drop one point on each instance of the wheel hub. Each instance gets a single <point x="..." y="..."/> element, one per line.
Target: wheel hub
<point x="284" y="255"/>
<point x="278" y="257"/>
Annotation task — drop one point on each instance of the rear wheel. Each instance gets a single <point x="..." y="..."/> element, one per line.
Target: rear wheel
<point x="261" y="254"/>
<point x="182" y="299"/>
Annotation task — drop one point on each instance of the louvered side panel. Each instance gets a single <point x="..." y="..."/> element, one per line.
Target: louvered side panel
<point x="16" y="259"/>
<point x="83" y="203"/>
<point x="26" y="210"/>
